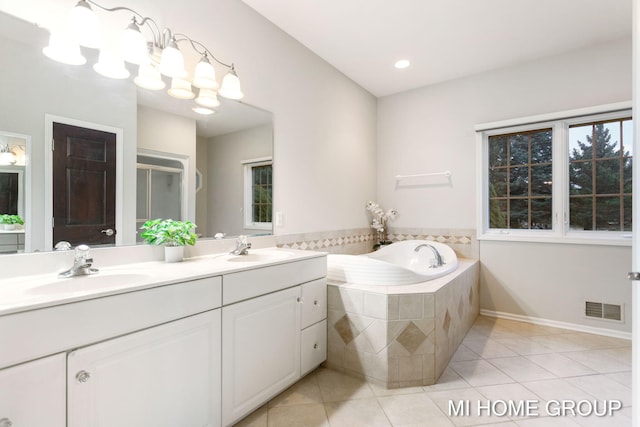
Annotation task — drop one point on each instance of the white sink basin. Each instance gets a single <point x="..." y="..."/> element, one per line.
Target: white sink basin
<point x="92" y="282"/>
<point x="263" y="256"/>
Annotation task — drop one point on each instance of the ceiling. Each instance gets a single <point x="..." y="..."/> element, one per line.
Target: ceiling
<point x="443" y="39"/>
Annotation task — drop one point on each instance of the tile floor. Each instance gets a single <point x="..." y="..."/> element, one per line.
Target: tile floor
<point x="499" y="360"/>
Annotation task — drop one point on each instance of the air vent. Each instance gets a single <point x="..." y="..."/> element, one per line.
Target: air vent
<point x="601" y="310"/>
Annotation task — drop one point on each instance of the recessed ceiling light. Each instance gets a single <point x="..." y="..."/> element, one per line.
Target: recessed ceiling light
<point x="403" y="63"/>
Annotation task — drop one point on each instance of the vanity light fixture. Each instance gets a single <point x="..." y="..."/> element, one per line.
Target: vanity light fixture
<point x="155" y="58"/>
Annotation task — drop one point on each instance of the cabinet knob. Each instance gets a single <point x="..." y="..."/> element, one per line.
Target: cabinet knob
<point x="82" y="377"/>
<point x="315" y="346"/>
<point x="5" y="422"/>
<point x="298" y="299"/>
<point x="315" y="302"/>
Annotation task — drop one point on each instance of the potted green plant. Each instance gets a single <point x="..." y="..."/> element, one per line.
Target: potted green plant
<point x="9" y="221"/>
<point x="174" y="235"/>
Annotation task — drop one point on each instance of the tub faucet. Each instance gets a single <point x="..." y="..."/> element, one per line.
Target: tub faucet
<point x="438" y="261"/>
<point x="81" y="263"/>
<point x="242" y="246"/>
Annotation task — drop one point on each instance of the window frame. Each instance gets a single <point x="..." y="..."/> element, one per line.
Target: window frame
<point x="248" y="166"/>
<point x="559" y="123"/>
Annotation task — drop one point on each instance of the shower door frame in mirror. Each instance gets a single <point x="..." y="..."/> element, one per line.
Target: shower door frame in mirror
<point x="26" y="191"/>
<point x="48" y="173"/>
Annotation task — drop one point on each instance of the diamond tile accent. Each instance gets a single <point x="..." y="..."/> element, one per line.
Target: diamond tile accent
<point x="460" y="308"/>
<point x="346" y="329"/>
<point x="447" y="322"/>
<point x="470" y="295"/>
<point x="411" y="337"/>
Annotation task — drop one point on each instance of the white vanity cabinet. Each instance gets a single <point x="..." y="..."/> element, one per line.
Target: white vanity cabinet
<point x="165" y="376"/>
<point x="263" y="330"/>
<point x="33" y="393"/>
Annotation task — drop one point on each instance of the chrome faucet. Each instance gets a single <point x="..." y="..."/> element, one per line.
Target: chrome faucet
<point x="81" y="263"/>
<point x="438" y="258"/>
<point x="242" y="246"/>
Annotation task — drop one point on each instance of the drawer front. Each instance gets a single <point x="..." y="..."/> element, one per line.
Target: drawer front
<point x="260" y="281"/>
<point x="67" y="326"/>
<point x="314" y="346"/>
<point x="314" y="302"/>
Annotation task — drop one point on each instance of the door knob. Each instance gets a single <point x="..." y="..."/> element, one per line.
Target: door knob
<point x="109" y="232"/>
<point x="82" y="377"/>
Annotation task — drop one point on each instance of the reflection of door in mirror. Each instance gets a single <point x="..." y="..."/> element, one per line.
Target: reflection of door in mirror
<point x="84" y="185"/>
<point x="159" y="189"/>
<point x="11" y="203"/>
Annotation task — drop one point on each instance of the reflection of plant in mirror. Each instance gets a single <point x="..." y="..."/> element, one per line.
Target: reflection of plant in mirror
<point x="11" y="219"/>
<point x="169" y="232"/>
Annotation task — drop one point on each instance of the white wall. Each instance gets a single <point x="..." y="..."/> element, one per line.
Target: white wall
<point x="225" y="210"/>
<point x="432" y="129"/>
<point x="324" y="124"/>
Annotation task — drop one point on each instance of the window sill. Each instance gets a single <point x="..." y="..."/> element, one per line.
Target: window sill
<point x="571" y="239"/>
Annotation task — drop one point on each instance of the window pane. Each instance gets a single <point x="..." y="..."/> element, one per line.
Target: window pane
<point x="580" y="142"/>
<point x="581" y="213"/>
<point x="519" y="149"/>
<point x="541" y="180"/>
<point x="541" y="147"/>
<point x="541" y="214"/>
<point x="627" y="213"/>
<point x="498" y="182"/>
<point x="519" y="181"/>
<point x="627" y="175"/>
<point x="580" y="178"/>
<point x="498" y="214"/>
<point x="607" y="139"/>
<point x="608" y="176"/>
<point x="608" y="213"/>
<point x="519" y="217"/>
<point x="627" y="137"/>
<point x="497" y="151"/>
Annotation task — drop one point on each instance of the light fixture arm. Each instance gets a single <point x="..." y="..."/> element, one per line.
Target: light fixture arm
<point x="200" y="48"/>
<point x="144" y="20"/>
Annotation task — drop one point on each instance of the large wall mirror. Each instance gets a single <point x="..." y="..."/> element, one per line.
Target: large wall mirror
<point x="217" y="168"/>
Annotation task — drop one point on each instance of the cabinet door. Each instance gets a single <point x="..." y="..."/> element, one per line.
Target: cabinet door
<point x="260" y="351"/>
<point x="314" y="302"/>
<point x="314" y="346"/>
<point x="165" y="376"/>
<point x="33" y="394"/>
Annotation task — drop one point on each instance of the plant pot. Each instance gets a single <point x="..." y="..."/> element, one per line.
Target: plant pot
<point x="9" y="226"/>
<point x="173" y="253"/>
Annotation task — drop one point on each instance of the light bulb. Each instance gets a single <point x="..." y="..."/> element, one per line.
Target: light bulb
<point x="172" y="61"/>
<point x="134" y="45"/>
<point x="231" y="86"/>
<point x="110" y="65"/>
<point x="149" y="78"/>
<point x="207" y="98"/>
<point x="84" y="25"/>
<point x="205" y="75"/>
<point x="62" y="49"/>
<point x="203" y="111"/>
<point x="181" y="89"/>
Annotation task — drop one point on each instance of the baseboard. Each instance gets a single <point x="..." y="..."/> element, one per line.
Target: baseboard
<point x="556" y="324"/>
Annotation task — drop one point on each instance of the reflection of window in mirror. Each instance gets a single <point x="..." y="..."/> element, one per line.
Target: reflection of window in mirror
<point x="258" y="188"/>
<point x="159" y="189"/>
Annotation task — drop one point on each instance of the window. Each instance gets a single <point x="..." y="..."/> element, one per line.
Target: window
<point x="258" y="183"/>
<point x="567" y="179"/>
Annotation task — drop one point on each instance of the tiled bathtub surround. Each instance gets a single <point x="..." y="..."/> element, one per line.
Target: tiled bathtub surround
<point x="361" y="240"/>
<point x="399" y="336"/>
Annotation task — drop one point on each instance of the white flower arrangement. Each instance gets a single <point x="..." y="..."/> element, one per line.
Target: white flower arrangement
<point x="379" y="220"/>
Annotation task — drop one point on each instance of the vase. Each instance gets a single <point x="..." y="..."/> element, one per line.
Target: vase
<point x="173" y="253"/>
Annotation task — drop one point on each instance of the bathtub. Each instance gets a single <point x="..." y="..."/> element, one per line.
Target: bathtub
<point x="395" y="264"/>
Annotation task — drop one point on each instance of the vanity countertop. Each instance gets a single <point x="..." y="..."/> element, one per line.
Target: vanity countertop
<point x="46" y="290"/>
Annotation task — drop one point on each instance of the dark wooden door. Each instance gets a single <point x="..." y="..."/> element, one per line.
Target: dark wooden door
<point x="84" y="185"/>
